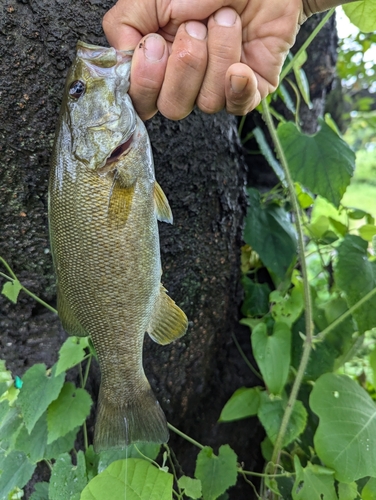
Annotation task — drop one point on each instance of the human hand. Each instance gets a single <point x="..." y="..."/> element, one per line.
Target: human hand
<point x="213" y="53"/>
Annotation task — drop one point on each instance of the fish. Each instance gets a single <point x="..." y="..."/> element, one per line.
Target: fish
<point x="104" y="206"/>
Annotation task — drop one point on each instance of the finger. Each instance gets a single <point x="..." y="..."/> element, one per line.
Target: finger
<point x="119" y="35"/>
<point x="185" y="71"/>
<point x="224" y="49"/>
<point x="242" y="93"/>
<point x="147" y="73"/>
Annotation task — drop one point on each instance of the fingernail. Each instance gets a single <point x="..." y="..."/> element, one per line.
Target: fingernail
<point x="154" y="48"/>
<point x="225" y="17"/>
<point x="196" y="30"/>
<point x="238" y="83"/>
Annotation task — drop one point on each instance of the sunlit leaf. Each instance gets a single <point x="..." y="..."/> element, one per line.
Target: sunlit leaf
<point x="369" y="490"/>
<point x="68" y="411"/>
<point x="133" y="479"/>
<point x="217" y="473"/>
<point x="367" y="232"/>
<point x="362" y="14"/>
<point x="323" y="163"/>
<point x="243" y="403"/>
<point x="345" y="437"/>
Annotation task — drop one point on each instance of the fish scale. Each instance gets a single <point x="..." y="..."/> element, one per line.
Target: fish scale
<point x="104" y="203"/>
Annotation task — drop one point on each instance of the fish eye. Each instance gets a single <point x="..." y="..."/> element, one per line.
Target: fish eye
<point x="77" y="89"/>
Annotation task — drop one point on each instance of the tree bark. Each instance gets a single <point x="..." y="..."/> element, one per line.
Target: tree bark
<point x="200" y="166"/>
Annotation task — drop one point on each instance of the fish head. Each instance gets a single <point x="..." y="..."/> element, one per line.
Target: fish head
<point x="98" y="110"/>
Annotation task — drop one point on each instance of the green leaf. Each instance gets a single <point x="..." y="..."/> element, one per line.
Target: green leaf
<point x="367" y="232"/>
<point x="348" y="415"/>
<point x="256" y="301"/>
<point x="347" y="491"/>
<point x="10" y="425"/>
<point x="313" y="482"/>
<point x="272" y="353"/>
<point x="354" y="276"/>
<point x="192" y="487"/>
<point x="68" y="411"/>
<point x="270" y="233"/>
<point x="16" y="471"/>
<point x="287" y="308"/>
<point x="150" y="450"/>
<point x="11" y="289"/>
<point x="40" y="491"/>
<point x="67" y="480"/>
<point x="362" y="14"/>
<point x="92" y="462"/>
<point x="271" y="413"/>
<point x="323" y="163"/>
<point x="217" y="473"/>
<point x="71" y="353"/>
<point x="243" y="403"/>
<point x="372" y="362"/>
<point x="305" y="199"/>
<point x="133" y="479"/>
<point x="34" y="445"/>
<point x="268" y="154"/>
<point x="369" y="490"/>
<point x="38" y="391"/>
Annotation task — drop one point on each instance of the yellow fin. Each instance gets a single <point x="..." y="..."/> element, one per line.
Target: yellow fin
<point x="168" y="322"/>
<point x="120" y="203"/>
<point x="162" y="207"/>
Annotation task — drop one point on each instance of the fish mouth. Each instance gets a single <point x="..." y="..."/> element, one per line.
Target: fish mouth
<point x="120" y="151"/>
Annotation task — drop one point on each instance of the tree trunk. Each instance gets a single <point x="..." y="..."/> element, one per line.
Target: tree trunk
<point x="200" y="166"/>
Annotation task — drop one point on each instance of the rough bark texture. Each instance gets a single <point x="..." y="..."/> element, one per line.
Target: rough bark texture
<point x="200" y="167"/>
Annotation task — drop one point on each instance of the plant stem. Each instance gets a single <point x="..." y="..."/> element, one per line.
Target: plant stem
<point x="307" y="292"/>
<point x="42" y="302"/>
<point x="87" y="369"/>
<point x="8" y="268"/>
<point x="336" y="322"/>
<point x="309" y="40"/>
<point x="246" y="360"/>
<point x="187" y="438"/>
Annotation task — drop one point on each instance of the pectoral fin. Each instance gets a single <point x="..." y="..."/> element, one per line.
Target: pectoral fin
<point x="162" y="207"/>
<point x="120" y="203"/>
<point x="168" y="322"/>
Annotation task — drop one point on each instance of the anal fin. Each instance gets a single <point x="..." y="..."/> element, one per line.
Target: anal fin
<point x="162" y="207"/>
<point x="168" y="322"/>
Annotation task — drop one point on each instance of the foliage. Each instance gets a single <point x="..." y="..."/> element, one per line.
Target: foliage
<point x="312" y="333"/>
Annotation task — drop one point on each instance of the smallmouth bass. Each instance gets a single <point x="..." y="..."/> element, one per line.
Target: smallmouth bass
<point x="104" y="203"/>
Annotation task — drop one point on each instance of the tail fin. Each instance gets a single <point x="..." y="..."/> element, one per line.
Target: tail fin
<point x="118" y="426"/>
